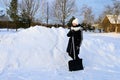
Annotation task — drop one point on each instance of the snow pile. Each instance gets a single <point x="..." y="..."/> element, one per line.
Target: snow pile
<point x="36" y="47"/>
<point x="39" y="53"/>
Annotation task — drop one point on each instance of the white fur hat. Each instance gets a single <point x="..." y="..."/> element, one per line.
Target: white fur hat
<point x="75" y="21"/>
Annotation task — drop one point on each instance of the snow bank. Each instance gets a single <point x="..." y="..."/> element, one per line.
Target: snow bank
<point x="39" y="53"/>
<point x="33" y="48"/>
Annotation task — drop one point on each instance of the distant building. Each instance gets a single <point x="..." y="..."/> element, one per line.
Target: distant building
<point x="111" y="23"/>
<point x="3" y="17"/>
<point x="98" y="27"/>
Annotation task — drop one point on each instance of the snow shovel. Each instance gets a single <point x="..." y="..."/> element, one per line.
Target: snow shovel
<point x="75" y="64"/>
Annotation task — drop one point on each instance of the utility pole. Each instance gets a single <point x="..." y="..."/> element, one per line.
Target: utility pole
<point x="47" y="19"/>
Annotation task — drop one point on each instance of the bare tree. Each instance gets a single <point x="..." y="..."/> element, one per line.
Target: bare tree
<point x="107" y="11"/>
<point x="29" y="8"/>
<point x="6" y="3"/>
<point x="46" y="11"/>
<point x="47" y="18"/>
<point x="88" y="15"/>
<point x="112" y="10"/>
<point x="63" y="9"/>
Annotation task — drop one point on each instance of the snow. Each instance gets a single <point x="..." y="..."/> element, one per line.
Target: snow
<point x="114" y="19"/>
<point x="39" y="53"/>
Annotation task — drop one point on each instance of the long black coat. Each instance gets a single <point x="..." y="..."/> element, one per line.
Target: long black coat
<point x="78" y="37"/>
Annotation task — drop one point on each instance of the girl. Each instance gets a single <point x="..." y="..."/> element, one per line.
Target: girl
<point x="75" y="39"/>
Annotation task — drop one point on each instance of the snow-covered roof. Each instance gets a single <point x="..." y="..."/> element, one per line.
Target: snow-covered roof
<point x="113" y="19"/>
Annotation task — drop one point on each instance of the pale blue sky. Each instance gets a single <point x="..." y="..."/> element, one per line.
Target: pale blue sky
<point x="96" y="5"/>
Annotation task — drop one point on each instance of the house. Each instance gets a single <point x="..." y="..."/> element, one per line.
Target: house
<point x="98" y="27"/>
<point x="111" y="23"/>
<point x="3" y="17"/>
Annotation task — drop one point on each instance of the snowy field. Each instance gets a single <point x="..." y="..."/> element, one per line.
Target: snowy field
<point x="39" y="53"/>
